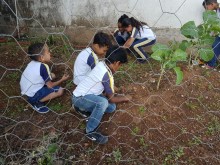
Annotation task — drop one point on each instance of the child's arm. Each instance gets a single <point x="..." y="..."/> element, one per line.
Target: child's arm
<point x="118" y="98"/>
<point x="51" y="84"/>
<point x="129" y="42"/>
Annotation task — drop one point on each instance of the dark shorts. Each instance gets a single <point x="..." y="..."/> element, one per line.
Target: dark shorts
<point x="43" y="92"/>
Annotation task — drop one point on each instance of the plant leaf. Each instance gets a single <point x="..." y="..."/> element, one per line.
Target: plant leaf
<point x="207" y="40"/>
<point x="206" y="54"/>
<point x="52" y="148"/>
<point x="210" y="17"/>
<point x="159" y="46"/>
<point x="179" y="75"/>
<point x="189" y="30"/>
<point x="160" y="51"/>
<point x="157" y="56"/>
<point x="184" y="45"/>
<point x="179" y="55"/>
<point x="169" y="64"/>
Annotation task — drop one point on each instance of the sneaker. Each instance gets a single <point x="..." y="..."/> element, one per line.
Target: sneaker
<point x="209" y="67"/>
<point x="82" y="113"/>
<point x="40" y="107"/>
<point x="142" y="61"/>
<point x="97" y="137"/>
<point x="197" y="62"/>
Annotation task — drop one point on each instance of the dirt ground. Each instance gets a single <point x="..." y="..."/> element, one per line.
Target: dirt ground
<point x="177" y="124"/>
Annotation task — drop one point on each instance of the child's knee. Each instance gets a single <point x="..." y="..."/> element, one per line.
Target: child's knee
<point x="103" y="104"/>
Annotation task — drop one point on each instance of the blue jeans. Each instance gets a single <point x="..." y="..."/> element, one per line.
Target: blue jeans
<point x="97" y="105"/>
<point x="216" y="49"/>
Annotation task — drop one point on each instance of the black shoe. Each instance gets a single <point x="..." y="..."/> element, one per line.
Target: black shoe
<point x="82" y="113"/>
<point x="97" y="137"/>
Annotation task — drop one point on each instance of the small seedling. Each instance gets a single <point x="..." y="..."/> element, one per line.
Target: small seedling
<point x="135" y="130"/>
<point x="142" y="142"/>
<point x="117" y="155"/>
<point x="174" y="156"/>
<point x="195" y="141"/>
<point x="142" y="109"/>
<point x="213" y="126"/>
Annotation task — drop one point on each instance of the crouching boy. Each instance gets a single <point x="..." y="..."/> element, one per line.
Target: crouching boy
<point x="36" y="79"/>
<point x="88" y="95"/>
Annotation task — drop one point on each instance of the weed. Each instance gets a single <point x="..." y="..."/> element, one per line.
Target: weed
<point x="210" y="87"/>
<point x="45" y="153"/>
<point x="198" y="118"/>
<point x="164" y="118"/>
<point x="195" y="141"/>
<point x="191" y="105"/>
<point x="117" y="155"/>
<point x="14" y="76"/>
<point x="56" y="107"/>
<point x="82" y="126"/>
<point x="48" y="156"/>
<point x="174" y="156"/>
<point x="69" y="84"/>
<point x="135" y="130"/>
<point x="183" y="130"/>
<point x="213" y="126"/>
<point x="142" y="109"/>
<point x="142" y="142"/>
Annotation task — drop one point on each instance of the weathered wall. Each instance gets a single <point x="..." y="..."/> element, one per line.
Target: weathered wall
<point x="164" y="15"/>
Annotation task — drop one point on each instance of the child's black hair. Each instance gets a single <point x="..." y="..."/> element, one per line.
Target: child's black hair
<point x="133" y="22"/>
<point x="115" y="54"/>
<point x="35" y="50"/>
<point x="122" y="18"/>
<point x="102" y="39"/>
<point x="208" y="2"/>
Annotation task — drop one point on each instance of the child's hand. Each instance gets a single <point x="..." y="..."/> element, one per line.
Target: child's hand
<point x="128" y="97"/>
<point x="53" y="76"/>
<point x="65" y="77"/>
<point x="116" y="89"/>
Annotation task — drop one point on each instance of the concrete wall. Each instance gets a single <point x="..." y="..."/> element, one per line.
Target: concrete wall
<point x="157" y="13"/>
<point x="165" y="16"/>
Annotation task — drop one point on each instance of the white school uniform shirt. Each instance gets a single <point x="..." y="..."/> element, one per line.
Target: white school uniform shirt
<point x="145" y="32"/>
<point x="34" y="77"/>
<point x="99" y="79"/>
<point x="85" y="62"/>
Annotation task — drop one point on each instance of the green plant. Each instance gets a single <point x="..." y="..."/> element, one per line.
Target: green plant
<point x="195" y="141"/>
<point x="142" y="142"/>
<point x="14" y="76"/>
<point x="199" y="37"/>
<point x="135" y="130"/>
<point x="48" y="156"/>
<point x="191" y="105"/>
<point x="142" y="109"/>
<point x="214" y="126"/>
<point x="117" y="155"/>
<point x="168" y="58"/>
<point x="56" y="107"/>
<point x="174" y="156"/>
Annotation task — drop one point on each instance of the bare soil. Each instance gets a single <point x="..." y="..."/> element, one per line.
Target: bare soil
<point x="177" y="124"/>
